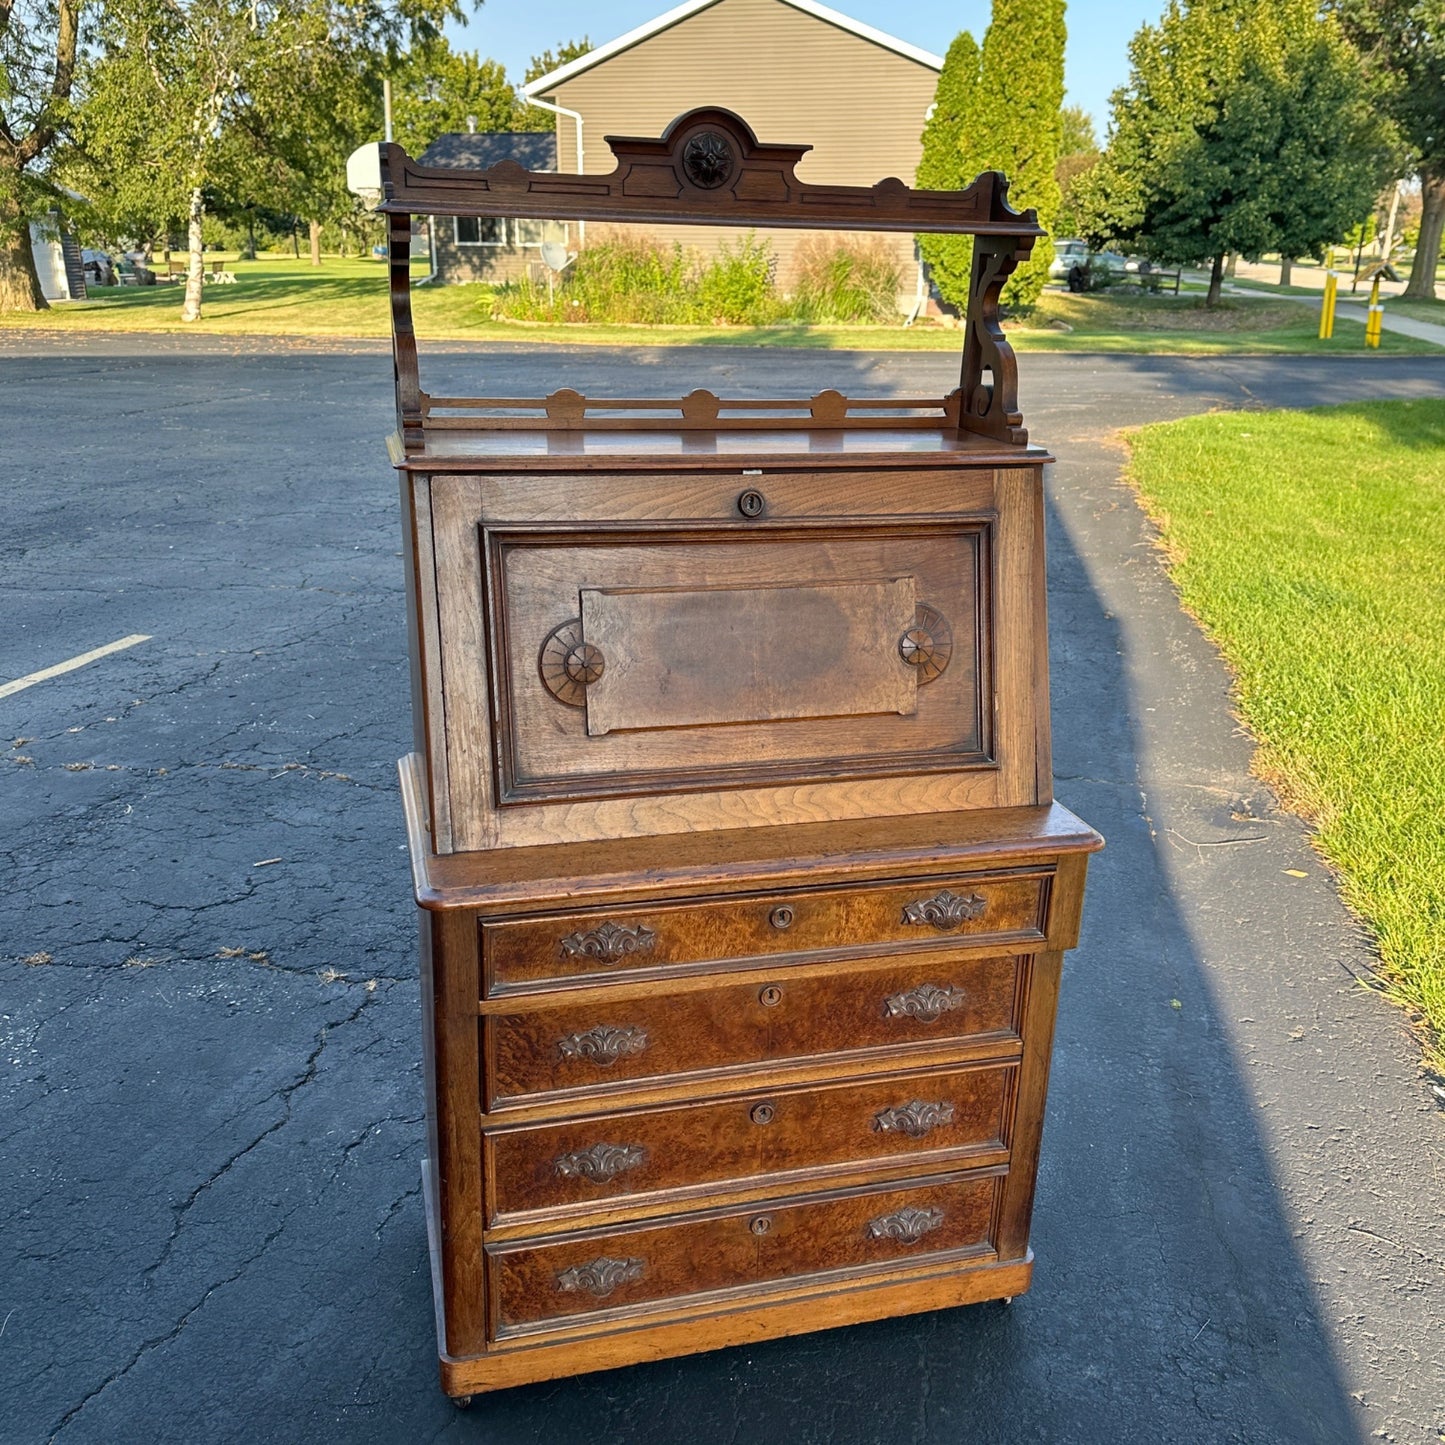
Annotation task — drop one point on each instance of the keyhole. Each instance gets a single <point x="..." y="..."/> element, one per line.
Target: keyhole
<point x="750" y="504"/>
<point x="762" y="1224"/>
<point x="761" y="1113"/>
<point x="781" y="917"/>
<point x="771" y="996"/>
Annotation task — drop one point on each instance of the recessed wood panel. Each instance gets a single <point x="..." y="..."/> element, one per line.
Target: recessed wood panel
<point x="701" y="656"/>
<point x="840" y="716"/>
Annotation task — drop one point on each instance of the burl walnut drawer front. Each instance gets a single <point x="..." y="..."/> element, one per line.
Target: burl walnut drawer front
<point x="547" y="1285"/>
<point x="618" y="1157"/>
<point x="602" y="944"/>
<point x="592" y="1048"/>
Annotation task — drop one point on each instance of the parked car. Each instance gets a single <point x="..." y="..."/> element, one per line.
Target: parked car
<point x="99" y="268"/>
<point x="1084" y="270"/>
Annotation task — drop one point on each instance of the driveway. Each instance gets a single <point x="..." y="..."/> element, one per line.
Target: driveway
<point x="211" y="1105"/>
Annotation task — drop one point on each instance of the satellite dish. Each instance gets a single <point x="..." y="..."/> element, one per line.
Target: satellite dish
<point x="554" y="255"/>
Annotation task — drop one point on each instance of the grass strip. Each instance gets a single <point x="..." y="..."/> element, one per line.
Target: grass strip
<point x="1309" y="544"/>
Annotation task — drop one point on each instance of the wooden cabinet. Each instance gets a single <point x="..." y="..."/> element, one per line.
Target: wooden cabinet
<point x="743" y="895"/>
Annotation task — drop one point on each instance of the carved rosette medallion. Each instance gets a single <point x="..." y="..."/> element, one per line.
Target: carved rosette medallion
<point x="928" y="643"/>
<point x="708" y="160"/>
<point x="600" y="1277"/>
<point x="946" y="910"/>
<point x="915" y="1119"/>
<point x="603" y="1045"/>
<point x="601" y="1162"/>
<point x="907" y="1226"/>
<point x="928" y="1001"/>
<point x="569" y="663"/>
<point x="608" y="942"/>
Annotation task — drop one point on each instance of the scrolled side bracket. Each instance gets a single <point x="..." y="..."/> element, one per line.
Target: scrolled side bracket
<point x="990" y="371"/>
<point x="409" y="420"/>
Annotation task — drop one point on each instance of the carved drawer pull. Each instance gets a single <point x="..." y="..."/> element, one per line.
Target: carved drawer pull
<point x="569" y="663"/>
<point x="915" y="1119"/>
<point x="603" y="1045"/>
<point x="927" y="1001"/>
<point x="907" y="1226"/>
<point x="601" y="1162"/>
<point x="600" y="1277"/>
<point x="609" y="941"/>
<point x="946" y="910"/>
<point x="927" y="644"/>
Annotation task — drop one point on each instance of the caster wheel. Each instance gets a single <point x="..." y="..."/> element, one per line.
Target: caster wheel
<point x="461" y="1401"/>
<point x="1006" y="1301"/>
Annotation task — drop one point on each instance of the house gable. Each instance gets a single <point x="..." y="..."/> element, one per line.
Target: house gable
<point x="794" y="70"/>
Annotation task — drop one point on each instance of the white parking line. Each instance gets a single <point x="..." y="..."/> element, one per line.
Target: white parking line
<point x="70" y="664"/>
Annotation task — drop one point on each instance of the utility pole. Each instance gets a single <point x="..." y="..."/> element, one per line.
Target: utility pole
<point x="386" y="107"/>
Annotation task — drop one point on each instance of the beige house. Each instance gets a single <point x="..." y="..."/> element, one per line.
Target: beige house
<point x="796" y="71"/>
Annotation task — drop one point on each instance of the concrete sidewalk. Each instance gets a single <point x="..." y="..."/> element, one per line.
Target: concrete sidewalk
<point x="1402" y="325"/>
<point x="212" y="1115"/>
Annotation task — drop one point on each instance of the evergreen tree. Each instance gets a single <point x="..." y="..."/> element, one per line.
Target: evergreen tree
<point x="941" y="166"/>
<point x="1018" y="128"/>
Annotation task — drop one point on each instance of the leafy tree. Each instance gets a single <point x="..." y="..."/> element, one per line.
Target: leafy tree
<point x="940" y="168"/>
<point x="1243" y="128"/>
<point x="1078" y="155"/>
<point x="533" y="117"/>
<point x="437" y="90"/>
<point x="1403" y="42"/>
<point x="184" y="88"/>
<point x="39" y="44"/>
<point x="1004" y="109"/>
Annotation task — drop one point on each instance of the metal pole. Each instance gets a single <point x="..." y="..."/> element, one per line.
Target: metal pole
<point x="386" y="106"/>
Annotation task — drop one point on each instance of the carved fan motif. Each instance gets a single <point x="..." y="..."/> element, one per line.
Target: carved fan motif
<point x="708" y="159"/>
<point x="569" y="662"/>
<point x="928" y="643"/>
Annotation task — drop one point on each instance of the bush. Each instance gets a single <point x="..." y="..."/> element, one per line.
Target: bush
<point x="845" y="280"/>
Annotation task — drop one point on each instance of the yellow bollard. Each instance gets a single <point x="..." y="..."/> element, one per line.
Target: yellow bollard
<point x="1375" y="321"/>
<point x="1327" y="308"/>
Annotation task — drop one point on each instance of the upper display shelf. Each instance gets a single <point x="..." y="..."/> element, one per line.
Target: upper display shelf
<point x="706" y="169"/>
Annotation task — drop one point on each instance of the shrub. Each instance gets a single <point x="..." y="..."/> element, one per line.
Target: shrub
<point x="630" y="279"/>
<point x="845" y="280"/>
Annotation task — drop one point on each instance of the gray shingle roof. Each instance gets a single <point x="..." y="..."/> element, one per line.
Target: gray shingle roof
<point x="534" y="149"/>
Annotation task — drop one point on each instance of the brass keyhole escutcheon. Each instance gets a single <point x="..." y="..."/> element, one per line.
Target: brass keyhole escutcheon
<point x="781" y="917"/>
<point x="762" y="1224"/>
<point x="771" y="996"/>
<point x="761" y="1113"/>
<point x="751" y="503"/>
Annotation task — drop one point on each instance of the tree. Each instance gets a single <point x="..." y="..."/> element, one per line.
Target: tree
<point x="1243" y="128"/>
<point x="437" y="89"/>
<point x="1403" y="42"/>
<point x="533" y="117"/>
<point x="1078" y="155"/>
<point x="39" y="42"/>
<point x="1003" y="105"/>
<point x="183" y="84"/>
<point x="940" y="168"/>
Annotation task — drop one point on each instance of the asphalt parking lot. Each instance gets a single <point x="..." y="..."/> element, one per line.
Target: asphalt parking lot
<point x="210" y="1216"/>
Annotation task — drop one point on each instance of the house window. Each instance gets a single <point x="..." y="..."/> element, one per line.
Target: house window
<point x="481" y="231"/>
<point x="537" y="233"/>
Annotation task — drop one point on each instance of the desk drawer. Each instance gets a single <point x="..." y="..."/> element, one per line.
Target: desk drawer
<point x="597" y="1047"/>
<point x="579" y="1164"/>
<point x="541" y="1286"/>
<point x="601" y="944"/>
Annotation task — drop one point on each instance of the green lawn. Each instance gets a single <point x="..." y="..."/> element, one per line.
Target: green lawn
<point x="347" y="298"/>
<point x="1309" y="544"/>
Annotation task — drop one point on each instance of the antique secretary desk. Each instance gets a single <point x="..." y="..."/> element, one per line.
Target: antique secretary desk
<point x="742" y="893"/>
